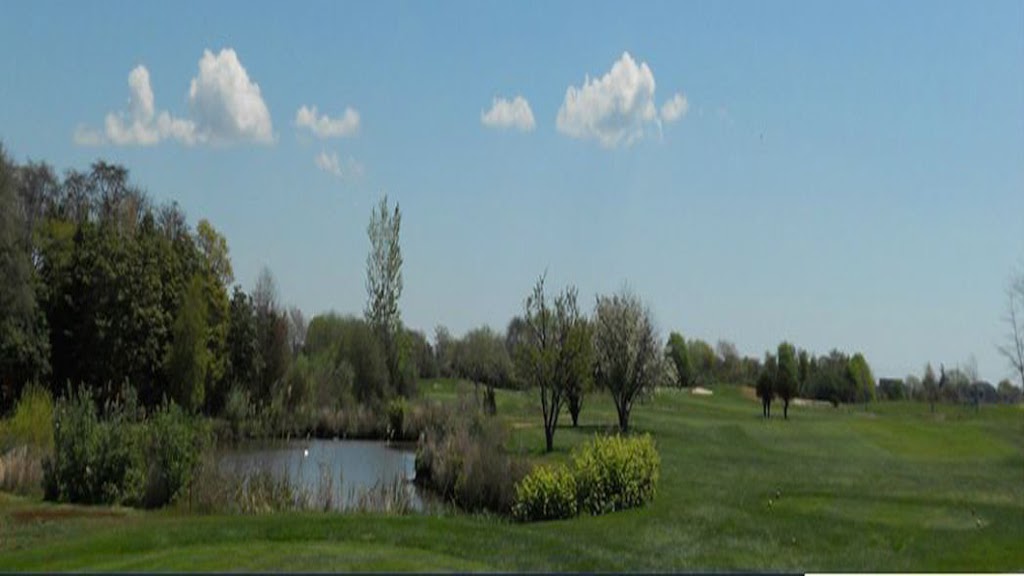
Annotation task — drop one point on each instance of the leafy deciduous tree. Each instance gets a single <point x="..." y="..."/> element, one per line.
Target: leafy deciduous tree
<point x="787" y="376"/>
<point x="384" y="286"/>
<point x="188" y="358"/>
<point x="23" y="345"/>
<point x="678" y="354"/>
<point x="627" y="350"/>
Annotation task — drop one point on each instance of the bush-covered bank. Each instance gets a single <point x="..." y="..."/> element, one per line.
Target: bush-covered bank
<point x="121" y="455"/>
<point x="397" y="420"/>
<point x="463" y="457"/>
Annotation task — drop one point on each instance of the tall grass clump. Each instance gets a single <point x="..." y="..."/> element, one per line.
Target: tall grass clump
<point x="462" y="458"/>
<point x="25" y="439"/>
<point x="31" y="423"/>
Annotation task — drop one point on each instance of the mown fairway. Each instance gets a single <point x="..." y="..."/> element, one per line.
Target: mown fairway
<point x="889" y="488"/>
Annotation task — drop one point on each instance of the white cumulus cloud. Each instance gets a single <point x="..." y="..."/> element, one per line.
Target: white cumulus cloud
<point x="140" y="124"/>
<point x="334" y="165"/>
<point x="675" y="108"/>
<point x="323" y="126"/>
<point x="506" y="113"/>
<point x="617" y="108"/>
<point x="224" y="106"/>
<point x="225" y="103"/>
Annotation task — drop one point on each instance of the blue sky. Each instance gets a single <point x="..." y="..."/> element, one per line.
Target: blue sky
<point x="843" y="174"/>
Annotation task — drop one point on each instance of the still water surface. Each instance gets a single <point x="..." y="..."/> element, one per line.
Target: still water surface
<point x="356" y="466"/>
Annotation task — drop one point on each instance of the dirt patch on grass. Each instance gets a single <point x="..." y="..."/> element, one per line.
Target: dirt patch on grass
<point x="749" y="393"/>
<point x="52" y="514"/>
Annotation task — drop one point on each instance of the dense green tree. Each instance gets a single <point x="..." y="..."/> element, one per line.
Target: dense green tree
<point x="863" y="380"/>
<point x="728" y="365"/>
<point x="702" y="362"/>
<point x="679" y="356"/>
<point x="39" y="190"/>
<point x="422" y="354"/>
<point x="215" y="275"/>
<point x="627" y="351"/>
<point x="188" y="358"/>
<point x="1007" y="393"/>
<point x="271" y="337"/>
<point x="353" y="352"/>
<point x="444" y="351"/>
<point x="787" y="376"/>
<point x="484" y="360"/>
<point x="892" y="389"/>
<point x="23" y="343"/>
<point x="362" y="349"/>
<point x="244" y="362"/>
<point x="804" y="368"/>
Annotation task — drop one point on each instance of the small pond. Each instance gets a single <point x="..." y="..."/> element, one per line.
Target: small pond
<point x="348" y="469"/>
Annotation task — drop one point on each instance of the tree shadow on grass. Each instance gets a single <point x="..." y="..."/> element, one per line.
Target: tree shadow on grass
<point x="590" y="429"/>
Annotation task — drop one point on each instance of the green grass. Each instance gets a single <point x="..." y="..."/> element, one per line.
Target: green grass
<point x="890" y="488"/>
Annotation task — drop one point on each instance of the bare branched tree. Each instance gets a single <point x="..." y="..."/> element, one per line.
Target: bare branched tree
<point x="1014" y="347"/>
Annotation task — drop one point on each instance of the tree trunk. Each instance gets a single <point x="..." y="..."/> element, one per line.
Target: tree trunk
<point x="623" y="419"/>
<point x="785" y="409"/>
<point x="549" y="437"/>
<point x="575" y="417"/>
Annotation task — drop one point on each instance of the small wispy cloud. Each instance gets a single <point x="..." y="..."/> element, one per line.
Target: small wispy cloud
<point x="509" y="114"/>
<point x="331" y="163"/>
<point x="674" y="109"/>
<point x="323" y="126"/>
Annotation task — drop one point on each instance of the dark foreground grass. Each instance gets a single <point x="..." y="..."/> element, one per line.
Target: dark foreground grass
<point x="889" y="488"/>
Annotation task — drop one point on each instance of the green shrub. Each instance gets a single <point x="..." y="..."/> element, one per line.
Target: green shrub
<point x="547" y="493"/>
<point x="68" y="475"/>
<point x="123" y="458"/>
<point x="615" y="473"/>
<point x="237" y="410"/>
<point x="119" y="465"/>
<point x="610" y="473"/>
<point x="396" y="418"/>
<point x="175" y="445"/>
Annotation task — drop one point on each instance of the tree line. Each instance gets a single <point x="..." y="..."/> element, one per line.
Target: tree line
<point x="103" y="289"/>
